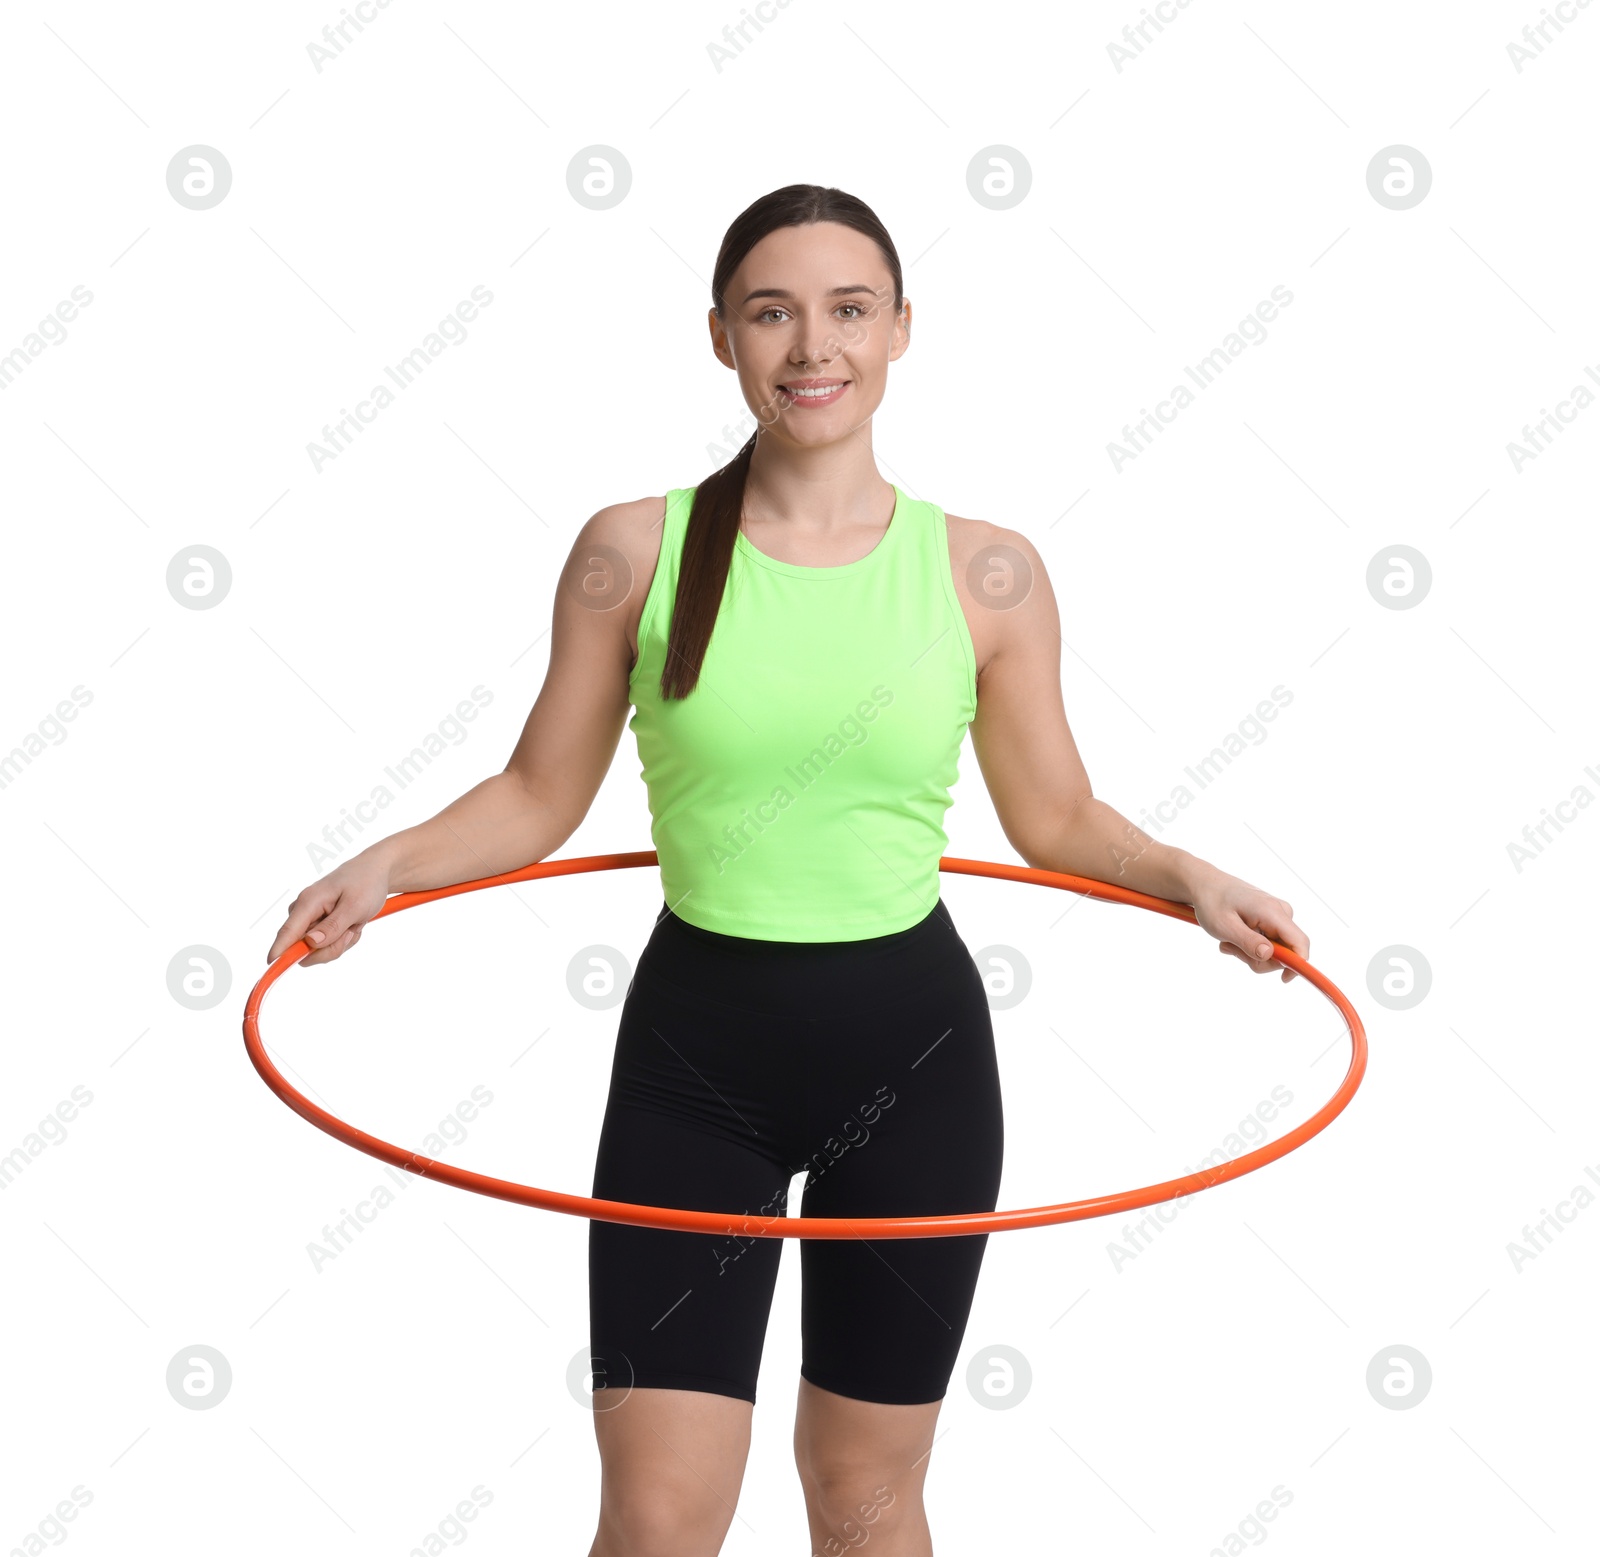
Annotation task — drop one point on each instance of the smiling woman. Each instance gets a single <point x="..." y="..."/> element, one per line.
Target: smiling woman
<point x="779" y="602"/>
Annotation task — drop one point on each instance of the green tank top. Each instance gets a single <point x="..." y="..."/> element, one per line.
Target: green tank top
<point x="798" y="793"/>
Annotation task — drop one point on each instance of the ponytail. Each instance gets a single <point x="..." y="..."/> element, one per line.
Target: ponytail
<point x="703" y="571"/>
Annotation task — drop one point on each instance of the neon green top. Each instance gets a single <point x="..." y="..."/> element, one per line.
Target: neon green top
<point x="798" y="793"/>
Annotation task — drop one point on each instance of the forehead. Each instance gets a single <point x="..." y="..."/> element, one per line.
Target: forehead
<point x="818" y="257"/>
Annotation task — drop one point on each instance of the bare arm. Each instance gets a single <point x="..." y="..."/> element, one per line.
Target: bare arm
<point x="523" y="814"/>
<point x="1051" y="816"/>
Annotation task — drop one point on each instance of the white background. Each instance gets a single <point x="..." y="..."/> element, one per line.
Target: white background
<point x="1168" y="1397"/>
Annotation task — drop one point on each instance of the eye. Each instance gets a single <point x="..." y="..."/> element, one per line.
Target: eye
<point x="770" y="309"/>
<point x="857" y="306"/>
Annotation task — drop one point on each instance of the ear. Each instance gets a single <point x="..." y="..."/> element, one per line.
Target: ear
<point x="902" y="331"/>
<point x="719" y="339"/>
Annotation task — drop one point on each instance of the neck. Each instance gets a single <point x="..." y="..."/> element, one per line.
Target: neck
<point x="818" y="490"/>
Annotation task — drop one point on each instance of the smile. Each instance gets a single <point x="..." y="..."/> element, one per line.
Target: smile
<point x="819" y="394"/>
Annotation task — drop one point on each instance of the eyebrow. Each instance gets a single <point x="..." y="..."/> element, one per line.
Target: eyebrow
<point x="783" y="292"/>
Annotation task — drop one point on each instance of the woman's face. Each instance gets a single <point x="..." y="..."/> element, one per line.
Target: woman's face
<point x="811" y="307"/>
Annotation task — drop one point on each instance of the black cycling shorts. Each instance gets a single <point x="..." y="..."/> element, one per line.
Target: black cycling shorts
<point x="868" y="1065"/>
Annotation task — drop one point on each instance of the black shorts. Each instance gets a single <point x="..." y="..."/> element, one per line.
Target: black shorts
<point x="870" y="1066"/>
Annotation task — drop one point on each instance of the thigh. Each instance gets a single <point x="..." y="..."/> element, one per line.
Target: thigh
<point x="672" y="1464"/>
<point x="689" y="1123"/>
<point x="906" y="1110"/>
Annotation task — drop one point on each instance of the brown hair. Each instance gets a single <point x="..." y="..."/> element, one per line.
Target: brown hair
<point x="719" y="499"/>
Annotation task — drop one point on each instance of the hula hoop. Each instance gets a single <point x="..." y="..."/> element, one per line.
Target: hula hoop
<point x="742" y="1224"/>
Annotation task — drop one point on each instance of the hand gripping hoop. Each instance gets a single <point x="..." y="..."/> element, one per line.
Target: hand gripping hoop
<point x="741" y="1223"/>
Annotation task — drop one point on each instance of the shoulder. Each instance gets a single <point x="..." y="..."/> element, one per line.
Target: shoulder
<point x="982" y="551"/>
<point x="1004" y="591"/>
<point x="627" y="524"/>
<point x="621" y="541"/>
<point x="633" y="528"/>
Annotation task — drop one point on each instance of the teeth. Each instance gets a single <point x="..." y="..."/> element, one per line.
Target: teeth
<point x="815" y="394"/>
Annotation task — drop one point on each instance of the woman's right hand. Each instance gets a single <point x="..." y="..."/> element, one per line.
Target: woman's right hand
<point x="331" y="913"/>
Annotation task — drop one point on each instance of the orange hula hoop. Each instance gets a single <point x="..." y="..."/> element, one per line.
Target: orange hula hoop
<point x="742" y="1224"/>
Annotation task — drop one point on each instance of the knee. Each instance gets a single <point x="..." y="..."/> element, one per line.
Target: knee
<point x="661" y="1521"/>
<point x="855" y="1502"/>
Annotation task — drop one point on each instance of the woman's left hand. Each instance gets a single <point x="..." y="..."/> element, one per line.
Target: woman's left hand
<point x="1244" y="918"/>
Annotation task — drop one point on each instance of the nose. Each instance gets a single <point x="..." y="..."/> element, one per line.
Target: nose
<point x="817" y="356"/>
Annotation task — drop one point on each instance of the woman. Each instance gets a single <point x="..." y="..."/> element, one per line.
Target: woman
<point x="804" y="1002"/>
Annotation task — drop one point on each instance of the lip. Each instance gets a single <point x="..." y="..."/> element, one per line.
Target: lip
<point x="812" y="402"/>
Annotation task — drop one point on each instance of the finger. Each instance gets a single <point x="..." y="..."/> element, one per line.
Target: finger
<point x="304" y="912"/>
<point x="326" y="934"/>
<point x="1255" y="939"/>
<point x="1274" y="918"/>
<point x="336" y="946"/>
<point x="1252" y="943"/>
<point x="1255" y="964"/>
<point x="328" y="938"/>
<point x="1233" y="951"/>
<point x="1297" y="939"/>
<point x="1287" y="933"/>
